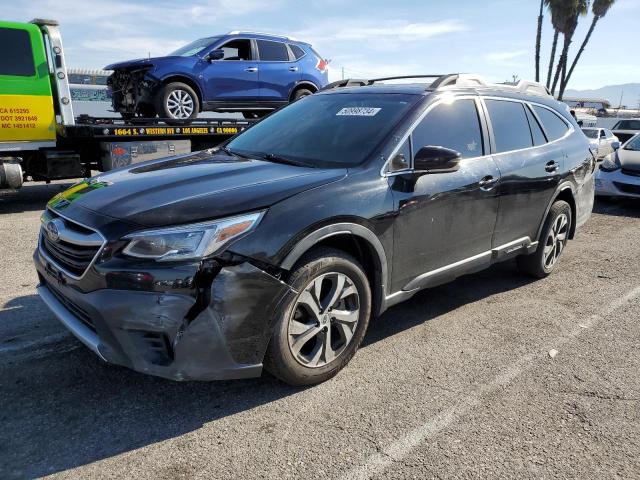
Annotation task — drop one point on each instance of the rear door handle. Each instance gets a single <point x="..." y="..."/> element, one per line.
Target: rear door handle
<point x="488" y="182"/>
<point x="251" y="69"/>
<point x="293" y="69"/>
<point x="551" y="166"/>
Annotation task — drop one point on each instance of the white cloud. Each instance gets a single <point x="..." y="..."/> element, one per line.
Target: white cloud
<point x="135" y="46"/>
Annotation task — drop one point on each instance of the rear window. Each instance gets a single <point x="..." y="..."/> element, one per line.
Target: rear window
<point x="272" y="51"/>
<point x="297" y="51"/>
<point x="335" y="130"/>
<point x="590" y="133"/>
<point x="510" y="125"/>
<point x="16" y="56"/>
<point x="553" y="125"/>
<point x="627" y="125"/>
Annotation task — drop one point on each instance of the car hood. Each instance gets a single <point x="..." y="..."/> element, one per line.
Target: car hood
<point x="190" y="188"/>
<point x="629" y="159"/>
<point x="141" y="63"/>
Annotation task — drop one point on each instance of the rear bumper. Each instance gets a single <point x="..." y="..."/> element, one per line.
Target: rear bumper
<point x="167" y="334"/>
<point x="617" y="184"/>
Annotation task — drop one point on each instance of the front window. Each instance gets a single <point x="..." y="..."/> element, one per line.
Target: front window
<point x="237" y="50"/>
<point x="194" y="48"/>
<point x="16" y="56"/>
<point x="326" y="130"/>
<point x="590" y="133"/>
<point x="633" y="144"/>
<point x="627" y="125"/>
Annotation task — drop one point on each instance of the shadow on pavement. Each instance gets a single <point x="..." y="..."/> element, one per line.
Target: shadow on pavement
<point x="619" y="207"/>
<point x="30" y="197"/>
<point x="65" y="409"/>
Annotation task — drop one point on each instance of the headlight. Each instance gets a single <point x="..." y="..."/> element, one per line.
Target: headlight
<point x="610" y="163"/>
<point x="193" y="241"/>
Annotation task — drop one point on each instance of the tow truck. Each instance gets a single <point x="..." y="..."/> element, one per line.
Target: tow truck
<point x="42" y="140"/>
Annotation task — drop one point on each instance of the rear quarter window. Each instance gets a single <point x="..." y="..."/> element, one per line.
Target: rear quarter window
<point x="297" y="51"/>
<point x="16" y="56"/>
<point x="554" y="126"/>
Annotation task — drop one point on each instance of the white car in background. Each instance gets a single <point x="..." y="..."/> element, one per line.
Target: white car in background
<point x="601" y="141"/>
<point x="619" y="173"/>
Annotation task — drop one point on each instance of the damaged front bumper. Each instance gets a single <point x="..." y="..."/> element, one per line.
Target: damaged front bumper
<point x="222" y="334"/>
<point x="132" y="90"/>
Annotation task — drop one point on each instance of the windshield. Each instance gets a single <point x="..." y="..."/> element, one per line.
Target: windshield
<point x="627" y="125"/>
<point x="633" y="144"/>
<point x="590" y="133"/>
<point x="335" y="130"/>
<point x="195" y="47"/>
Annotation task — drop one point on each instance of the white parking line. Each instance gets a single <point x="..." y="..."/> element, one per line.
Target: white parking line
<point x="401" y="447"/>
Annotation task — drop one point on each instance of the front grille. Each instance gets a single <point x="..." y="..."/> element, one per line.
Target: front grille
<point x="75" y="247"/>
<point x="76" y="310"/>
<point x="626" y="188"/>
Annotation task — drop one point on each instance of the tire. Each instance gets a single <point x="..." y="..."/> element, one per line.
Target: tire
<point x="299" y="353"/>
<point x="298" y="94"/>
<point x="177" y="101"/>
<point x="552" y="242"/>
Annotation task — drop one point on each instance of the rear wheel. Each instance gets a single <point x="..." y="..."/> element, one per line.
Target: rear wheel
<point x="320" y="329"/>
<point x="177" y="101"/>
<point x="553" y="239"/>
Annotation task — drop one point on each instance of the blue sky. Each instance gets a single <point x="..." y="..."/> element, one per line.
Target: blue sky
<point x="368" y="38"/>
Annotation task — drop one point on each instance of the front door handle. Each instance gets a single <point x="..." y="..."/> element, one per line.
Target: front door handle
<point x="488" y="182"/>
<point x="551" y="166"/>
<point x="251" y="69"/>
<point x="293" y="69"/>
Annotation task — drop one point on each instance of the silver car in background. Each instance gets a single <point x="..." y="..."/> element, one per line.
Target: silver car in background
<point x="619" y="173"/>
<point x="602" y="141"/>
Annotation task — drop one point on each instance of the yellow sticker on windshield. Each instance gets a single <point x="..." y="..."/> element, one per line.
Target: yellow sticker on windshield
<point x="358" y="111"/>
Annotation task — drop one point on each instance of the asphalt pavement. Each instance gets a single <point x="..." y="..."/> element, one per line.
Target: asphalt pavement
<point x="494" y="375"/>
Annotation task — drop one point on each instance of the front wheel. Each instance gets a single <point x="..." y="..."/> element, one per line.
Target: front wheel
<point x="553" y="240"/>
<point x="177" y="101"/>
<point x="320" y="329"/>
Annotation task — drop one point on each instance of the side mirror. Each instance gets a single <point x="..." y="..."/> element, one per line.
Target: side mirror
<point x="432" y="159"/>
<point x="214" y="55"/>
<point x="615" y="145"/>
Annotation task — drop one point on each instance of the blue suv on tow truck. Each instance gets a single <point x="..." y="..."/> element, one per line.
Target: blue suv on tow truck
<point x="247" y="72"/>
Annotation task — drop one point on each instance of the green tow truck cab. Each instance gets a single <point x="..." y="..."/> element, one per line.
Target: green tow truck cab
<point x="42" y="140"/>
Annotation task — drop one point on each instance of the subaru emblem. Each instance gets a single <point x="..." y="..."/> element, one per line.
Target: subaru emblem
<point x="51" y="228"/>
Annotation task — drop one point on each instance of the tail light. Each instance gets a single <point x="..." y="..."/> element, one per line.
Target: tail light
<point x="322" y="64"/>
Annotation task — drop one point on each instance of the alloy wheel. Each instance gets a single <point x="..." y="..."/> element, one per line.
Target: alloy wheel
<point x="180" y="104"/>
<point x="324" y="319"/>
<point x="556" y="241"/>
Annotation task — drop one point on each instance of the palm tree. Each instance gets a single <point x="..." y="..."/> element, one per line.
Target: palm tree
<point x="555" y="7"/>
<point x="539" y="39"/>
<point x="570" y="10"/>
<point x="599" y="9"/>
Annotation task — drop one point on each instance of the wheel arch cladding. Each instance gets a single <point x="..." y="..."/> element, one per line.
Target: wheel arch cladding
<point x="565" y="193"/>
<point x="355" y="240"/>
<point x="188" y="81"/>
<point x="304" y="84"/>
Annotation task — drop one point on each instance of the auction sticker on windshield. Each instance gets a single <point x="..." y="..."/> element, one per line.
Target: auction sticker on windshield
<point x="358" y="111"/>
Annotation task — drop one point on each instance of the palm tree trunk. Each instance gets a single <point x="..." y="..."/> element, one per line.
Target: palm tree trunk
<point x="553" y="57"/>
<point x="539" y="40"/>
<point x="561" y="62"/>
<point x="582" y="47"/>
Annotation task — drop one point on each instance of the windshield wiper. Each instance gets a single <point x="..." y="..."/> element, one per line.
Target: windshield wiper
<point x="271" y="157"/>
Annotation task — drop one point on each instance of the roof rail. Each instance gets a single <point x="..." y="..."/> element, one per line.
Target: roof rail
<point x="449" y="80"/>
<point x="266" y="34"/>
<point x="459" y="80"/>
<point x="533" y="87"/>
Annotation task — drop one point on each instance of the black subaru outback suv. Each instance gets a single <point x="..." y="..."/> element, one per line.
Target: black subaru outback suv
<point x="278" y="247"/>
